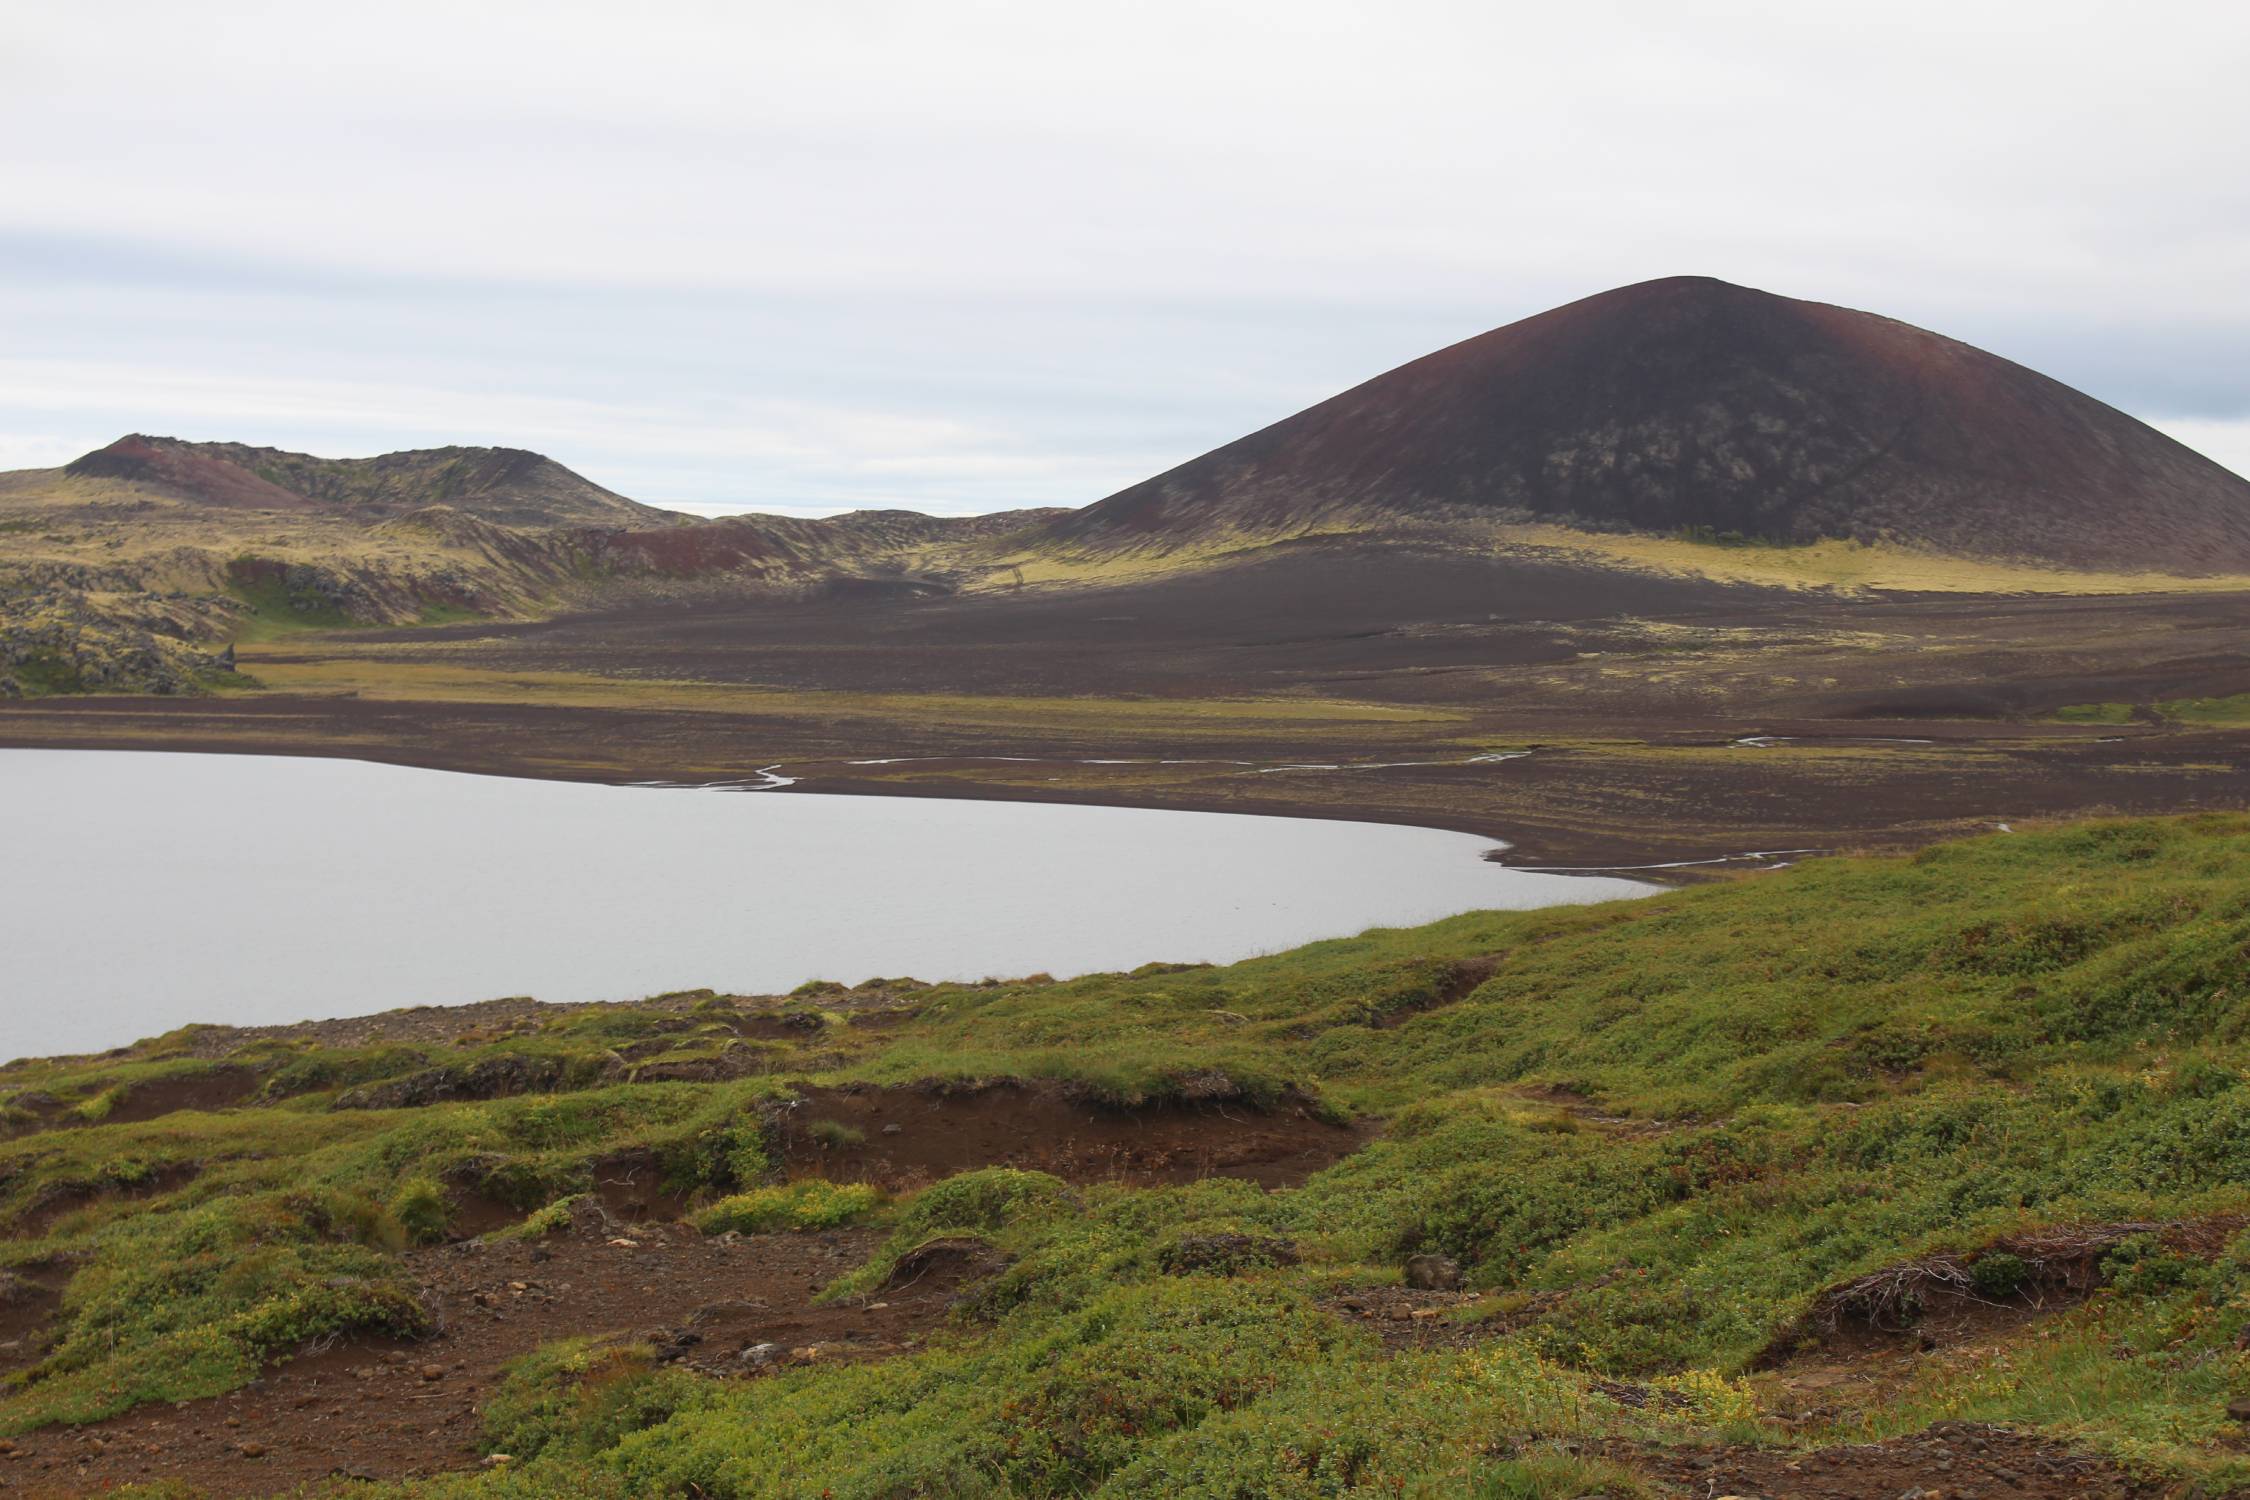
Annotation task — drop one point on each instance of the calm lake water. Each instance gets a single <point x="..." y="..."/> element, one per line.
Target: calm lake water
<point x="146" y="890"/>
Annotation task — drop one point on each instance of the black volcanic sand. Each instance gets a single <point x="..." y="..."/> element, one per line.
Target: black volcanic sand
<point x="1903" y="717"/>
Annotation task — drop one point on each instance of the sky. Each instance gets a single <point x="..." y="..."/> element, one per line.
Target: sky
<point x="966" y="255"/>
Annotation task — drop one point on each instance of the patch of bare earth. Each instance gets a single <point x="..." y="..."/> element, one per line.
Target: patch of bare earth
<point x="1410" y="1321"/>
<point x="64" y="1199"/>
<point x="738" y="1306"/>
<point x="28" y="1298"/>
<point x="1950" y="1461"/>
<point x="1870" y="1337"/>
<point x="220" y="1088"/>
<point x="906" y="1137"/>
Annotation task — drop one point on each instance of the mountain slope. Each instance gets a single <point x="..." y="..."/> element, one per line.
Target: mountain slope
<point x="508" y="485"/>
<point x="1689" y="404"/>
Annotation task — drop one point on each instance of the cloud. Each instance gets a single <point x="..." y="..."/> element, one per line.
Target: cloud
<point x="2225" y="442"/>
<point x="870" y="252"/>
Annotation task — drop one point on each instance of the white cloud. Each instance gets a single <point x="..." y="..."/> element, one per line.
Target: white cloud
<point x="870" y="251"/>
<point x="2225" y="442"/>
<point x="796" y="448"/>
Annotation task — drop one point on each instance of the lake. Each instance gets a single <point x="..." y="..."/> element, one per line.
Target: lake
<point x="145" y="890"/>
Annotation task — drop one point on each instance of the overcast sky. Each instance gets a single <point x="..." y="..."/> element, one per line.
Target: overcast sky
<point x="967" y="256"/>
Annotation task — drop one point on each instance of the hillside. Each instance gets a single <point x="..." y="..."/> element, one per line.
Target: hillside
<point x="130" y="568"/>
<point x="1692" y="406"/>
<point x="1868" y="1178"/>
<point x="505" y="485"/>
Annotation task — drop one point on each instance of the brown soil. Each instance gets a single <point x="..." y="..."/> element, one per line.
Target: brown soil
<point x="387" y="1409"/>
<point x="1866" y="1342"/>
<point x="221" y="1088"/>
<point x="1950" y="1461"/>
<point x="1936" y="1302"/>
<point x="45" y="1110"/>
<point x="28" y="1298"/>
<point x="69" y="1198"/>
<point x="1947" y="1317"/>
<point x="1407" y="1320"/>
<point x="631" y="1186"/>
<point x="1457" y="986"/>
<point x="905" y="1137"/>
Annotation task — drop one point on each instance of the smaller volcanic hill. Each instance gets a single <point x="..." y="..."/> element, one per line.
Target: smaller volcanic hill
<point x="1693" y="406"/>
<point x="506" y="485"/>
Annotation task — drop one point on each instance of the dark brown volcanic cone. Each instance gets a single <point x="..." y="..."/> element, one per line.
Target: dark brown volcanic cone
<point x="1691" y="403"/>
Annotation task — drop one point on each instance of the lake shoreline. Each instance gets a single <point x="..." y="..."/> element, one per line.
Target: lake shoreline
<point x="125" y="724"/>
<point x="265" y="890"/>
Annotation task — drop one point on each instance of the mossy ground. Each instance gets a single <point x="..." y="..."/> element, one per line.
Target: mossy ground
<point x="1652" y="1134"/>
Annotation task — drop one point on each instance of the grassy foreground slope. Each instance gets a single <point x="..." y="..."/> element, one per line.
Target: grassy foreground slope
<point x="1692" y="1155"/>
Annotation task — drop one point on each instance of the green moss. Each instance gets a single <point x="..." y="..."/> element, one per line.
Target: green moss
<point x="263" y="585"/>
<point x="174" y="1306"/>
<point x="43" y="673"/>
<point x="2096" y="713"/>
<point x="446" y="614"/>
<point x="807" y="1204"/>
<point x="580" y="1397"/>
<point x="552" y="1219"/>
<point x="421" y="1209"/>
<point x="2230" y="710"/>
<point x="835" y="1135"/>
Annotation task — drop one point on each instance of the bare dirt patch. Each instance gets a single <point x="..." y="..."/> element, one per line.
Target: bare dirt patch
<point x="69" y="1197"/>
<point x="1460" y="982"/>
<point x="219" y="1088"/>
<point x="1410" y="1321"/>
<point x="1984" y="1293"/>
<point x="1950" y="1459"/>
<point x="216" y="1089"/>
<point x="389" y="1409"/>
<point x="631" y="1187"/>
<point x="28" y="1298"/>
<point x="905" y="1137"/>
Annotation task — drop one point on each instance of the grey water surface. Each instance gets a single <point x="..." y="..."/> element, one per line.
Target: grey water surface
<point x="145" y="890"/>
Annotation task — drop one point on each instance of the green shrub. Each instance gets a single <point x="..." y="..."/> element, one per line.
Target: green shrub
<point x="2142" y="1266"/>
<point x="187" y="1304"/>
<point x="984" y="1202"/>
<point x="806" y="1204"/>
<point x="1999" y="1275"/>
<point x="581" y="1397"/>
<point x="835" y="1135"/>
<point x="96" y="1109"/>
<point x="555" y="1218"/>
<point x="735" y="1154"/>
<point x="422" y="1210"/>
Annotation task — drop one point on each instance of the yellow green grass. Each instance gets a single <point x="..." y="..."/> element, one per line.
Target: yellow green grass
<point x="371" y="674"/>
<point x="1838" y="564"/>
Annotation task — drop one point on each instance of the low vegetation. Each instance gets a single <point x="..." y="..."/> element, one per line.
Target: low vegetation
<point x="1674" y="1153"/>
<point x="2229" y="712"/>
